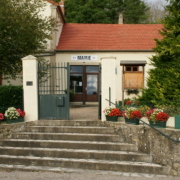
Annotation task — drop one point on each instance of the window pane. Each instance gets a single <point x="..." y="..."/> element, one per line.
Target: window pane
<point x="92" y="69"/>
<point x="91" y="84"/>
<point x="76" y="82"/>
<point x="140" y="68"/>
<point x="135" y="68"/>
<point x="78" y="69"/>
<point x="128" y="68"/>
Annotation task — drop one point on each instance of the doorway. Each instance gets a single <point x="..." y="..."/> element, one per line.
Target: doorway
<point x="84" y="83"/>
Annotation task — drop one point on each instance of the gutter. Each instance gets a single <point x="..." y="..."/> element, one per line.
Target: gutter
<point x="104" y="51"/>
<point x="50" y="53"/>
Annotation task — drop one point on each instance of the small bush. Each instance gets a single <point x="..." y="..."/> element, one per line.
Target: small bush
<point x="11" y="96"/>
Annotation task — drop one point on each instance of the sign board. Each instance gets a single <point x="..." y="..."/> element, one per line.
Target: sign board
<point x="133" y="80"/>
<point x="84" y="58"/>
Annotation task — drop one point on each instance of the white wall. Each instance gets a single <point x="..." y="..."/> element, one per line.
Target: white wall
<point x="120" y="56"/>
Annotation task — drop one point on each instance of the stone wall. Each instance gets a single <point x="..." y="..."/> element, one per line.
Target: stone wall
<point x="7" y="129"/>
<point x="163" y="150"/>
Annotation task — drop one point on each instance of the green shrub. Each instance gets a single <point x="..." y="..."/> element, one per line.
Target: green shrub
<point x="11" y="96"/>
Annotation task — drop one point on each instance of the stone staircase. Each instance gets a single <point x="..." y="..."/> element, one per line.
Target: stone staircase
<point x="79" y="145"/>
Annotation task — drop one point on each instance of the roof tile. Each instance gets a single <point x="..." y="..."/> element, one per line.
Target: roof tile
<point x="109" y="36"/>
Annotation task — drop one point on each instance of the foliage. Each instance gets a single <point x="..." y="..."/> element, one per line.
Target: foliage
<point x="110" y="111"/>
<point x="57" y="1"/>
<point x="106" y="11"/>
<point x="156" y="11"/>
<point x="171" y="110"/>
<point x="11" y="96"/>
<point x="143" y="109"/>
<point x="23" y="31"/>
<point x="132" y="91"/>
<point x="163" y="85"/>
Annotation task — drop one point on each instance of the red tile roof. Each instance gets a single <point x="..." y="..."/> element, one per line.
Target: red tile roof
<point x="108" y="36"/>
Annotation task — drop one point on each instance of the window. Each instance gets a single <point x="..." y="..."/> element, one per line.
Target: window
<point x="76" y="79"/>
<point x="133" y="68"/>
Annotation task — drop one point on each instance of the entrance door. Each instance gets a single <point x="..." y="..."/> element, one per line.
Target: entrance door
<point x="92" y="87"/>
<point x="84" y="83"/>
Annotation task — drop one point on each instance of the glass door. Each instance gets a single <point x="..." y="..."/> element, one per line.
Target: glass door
<point x="92" y="83"/>
<point x="76" y="82"/>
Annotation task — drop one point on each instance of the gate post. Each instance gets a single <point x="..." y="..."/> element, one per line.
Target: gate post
<point x="30" y="87"/>
<point x="108" y="81"/>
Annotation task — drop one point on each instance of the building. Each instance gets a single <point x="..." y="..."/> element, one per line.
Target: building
<point x="105" y="59"/>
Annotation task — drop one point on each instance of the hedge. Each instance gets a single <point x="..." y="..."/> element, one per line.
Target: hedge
<point x="11" y="96"/>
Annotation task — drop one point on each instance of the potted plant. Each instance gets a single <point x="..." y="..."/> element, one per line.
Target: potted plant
<point x="14" y="115"/>
<point x="132" y="115"/>
<point x="157" y="118"/>
<point x="112" y="114"/>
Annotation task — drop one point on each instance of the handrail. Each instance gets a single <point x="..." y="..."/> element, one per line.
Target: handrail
<point x="114" y="104"/>
<point x="176" y="141"/>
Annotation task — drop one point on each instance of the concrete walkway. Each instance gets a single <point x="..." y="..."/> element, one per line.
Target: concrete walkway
<point x="84" y="113"/>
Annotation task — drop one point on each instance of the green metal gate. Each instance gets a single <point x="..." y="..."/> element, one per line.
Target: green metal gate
<point x="53" y="91"/>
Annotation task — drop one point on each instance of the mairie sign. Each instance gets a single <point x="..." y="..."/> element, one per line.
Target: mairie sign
<point x="83" y="58"/>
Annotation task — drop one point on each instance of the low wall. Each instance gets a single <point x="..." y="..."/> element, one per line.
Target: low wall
<point x="163" y="150"/>
<point x="7" y="129"/>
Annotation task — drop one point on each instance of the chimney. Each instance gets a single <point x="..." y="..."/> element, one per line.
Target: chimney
<point x="62" y="5"/>
<point x="120" y="21"/>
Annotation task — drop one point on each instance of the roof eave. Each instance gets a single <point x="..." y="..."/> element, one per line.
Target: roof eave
<point x="133" y="50"/>
<point x="61" y="13"/>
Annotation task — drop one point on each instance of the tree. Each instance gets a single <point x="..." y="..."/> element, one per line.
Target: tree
<point x="23" y="31"/>
<point x="163" y="83"/>
<point x="156" y="11"/>
<point x="134" y="11"/>
<point x="106" y="11"/>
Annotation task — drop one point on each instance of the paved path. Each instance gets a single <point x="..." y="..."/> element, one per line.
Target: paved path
<point x="84" y="113"/>
<point x="86" y="175"/>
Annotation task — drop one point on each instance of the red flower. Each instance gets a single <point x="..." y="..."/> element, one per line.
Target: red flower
<point x="22" y="114"/>
<point x="128" y="102"/>
<point x="161" y="117"/>
<point x="136" y="114"/>
<point x="1" y="116"/>
<point x="115" y="112"/>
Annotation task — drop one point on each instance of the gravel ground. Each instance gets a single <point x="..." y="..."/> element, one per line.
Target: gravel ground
<point x="18" y="175"/>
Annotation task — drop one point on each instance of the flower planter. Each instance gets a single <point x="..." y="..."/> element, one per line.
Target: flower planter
<point x="112" y="118"/>
<point x="10" y="121"/>
<point x="158" y="124"/>
<point x="132" y="121"/>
